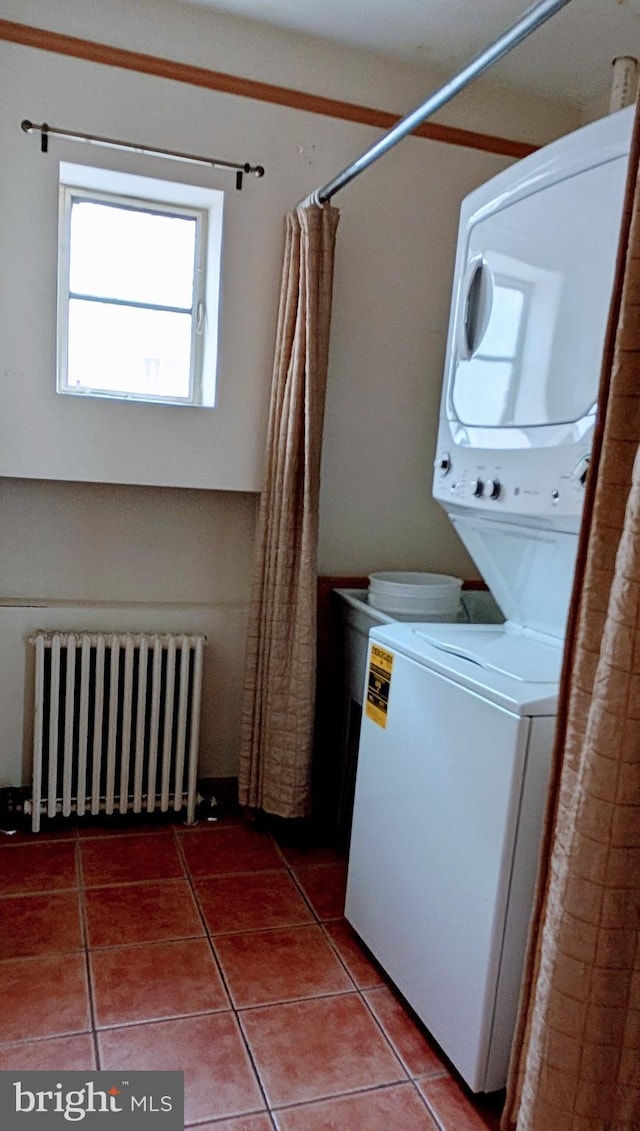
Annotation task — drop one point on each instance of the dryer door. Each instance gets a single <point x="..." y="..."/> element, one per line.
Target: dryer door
<point x="532" y="307"/>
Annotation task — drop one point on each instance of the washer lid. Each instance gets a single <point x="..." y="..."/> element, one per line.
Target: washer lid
<point x="513" y="654"/>
<point x="508" y="665"/>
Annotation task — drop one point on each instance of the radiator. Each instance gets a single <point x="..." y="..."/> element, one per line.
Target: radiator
<point x="116" y="723"/>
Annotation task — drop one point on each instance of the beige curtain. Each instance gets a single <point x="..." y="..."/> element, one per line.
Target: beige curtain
<point x="279" y="690"/>
<point x="576" y="1062"/>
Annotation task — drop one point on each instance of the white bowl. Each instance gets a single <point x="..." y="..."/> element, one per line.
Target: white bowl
<point x="413" y="583"/>
<point x="416" y="607"/>
<point x="415" y="594"/>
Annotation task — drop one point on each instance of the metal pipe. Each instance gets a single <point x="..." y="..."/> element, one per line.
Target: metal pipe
<point x="47" y="131"/>
<point x="529" y="22"/>
<point x="624" y="84"/>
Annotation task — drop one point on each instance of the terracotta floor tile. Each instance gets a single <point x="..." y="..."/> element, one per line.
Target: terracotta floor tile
<point x="125" y="859"/>
<point x="406" y="1035"/>
<point x="454" y="1108"/>
<point x="219" y="1078"/>
<point x="251" y="901"/>
<point x="232" y="848"/>
<point x="158" y="980"/>
<point x="309" y="1050"/>
<point x="29" y="867"/>
<point x="260" y="1122"/>
<point x="120" y="916"/>
<point x="43" y="997"/>
<point x="362" y="968"/>
<point x="264" y="967"/>
<point x="39" y="924"/>
<point x="57" y="1054"/>
<point x="325" y="887"/>
<point x="398" y="1108"/>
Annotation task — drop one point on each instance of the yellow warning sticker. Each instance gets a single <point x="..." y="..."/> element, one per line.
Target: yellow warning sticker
<point x="378" y="684"/>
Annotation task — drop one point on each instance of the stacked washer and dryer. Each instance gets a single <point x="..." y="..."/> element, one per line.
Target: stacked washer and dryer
<point x="459" y="719"/>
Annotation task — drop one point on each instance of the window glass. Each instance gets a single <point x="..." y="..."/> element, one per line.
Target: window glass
<point x="142" y="351"/>
<point x="128" y="254"/>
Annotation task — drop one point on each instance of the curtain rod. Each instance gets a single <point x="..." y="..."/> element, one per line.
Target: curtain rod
<point x="530" y="21"/>
<point x="47" y="131"/>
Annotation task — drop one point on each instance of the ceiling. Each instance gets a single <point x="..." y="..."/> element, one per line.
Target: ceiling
<point x="568" y="58"/>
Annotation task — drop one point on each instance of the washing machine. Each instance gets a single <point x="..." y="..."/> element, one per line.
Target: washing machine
<point x="459" y="720"/>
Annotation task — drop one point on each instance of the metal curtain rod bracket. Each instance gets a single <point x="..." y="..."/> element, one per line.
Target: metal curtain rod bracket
<point x="530" y="21"/>
<point x="47" y="131"/>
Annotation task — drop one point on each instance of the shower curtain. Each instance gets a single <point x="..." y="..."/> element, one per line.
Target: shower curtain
<point x="279" y="688"/>
<point x="576" y="1058"/>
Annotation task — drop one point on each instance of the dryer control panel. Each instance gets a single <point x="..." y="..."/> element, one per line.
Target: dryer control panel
<point x="535" y="264"/>
<point x="505" y="483"/>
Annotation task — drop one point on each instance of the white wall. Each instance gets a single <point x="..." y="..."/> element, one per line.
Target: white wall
<point x="93" y="543"/>
<point x="193" y="34"/>
<point x="93" y="439"/>
<point x="93" y="547"/>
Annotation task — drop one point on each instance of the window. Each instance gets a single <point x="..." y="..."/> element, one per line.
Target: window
<point x="137" y="304"/>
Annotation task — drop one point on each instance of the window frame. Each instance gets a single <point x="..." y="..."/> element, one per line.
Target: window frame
<point x="72" y="193"/>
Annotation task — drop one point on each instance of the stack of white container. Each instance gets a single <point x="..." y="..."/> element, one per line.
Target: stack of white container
<point x="416" y="596"/>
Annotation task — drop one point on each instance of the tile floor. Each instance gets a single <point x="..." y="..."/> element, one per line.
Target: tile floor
<point x="214" y="951"/>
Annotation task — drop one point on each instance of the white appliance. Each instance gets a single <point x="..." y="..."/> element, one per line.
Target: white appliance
<point x="459" y="719"/>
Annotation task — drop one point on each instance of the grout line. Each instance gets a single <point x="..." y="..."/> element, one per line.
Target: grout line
<point x="345" y="1095"/>
<point x="224" y="1120"/>
<point x="417" y="1025"/>
<point x="81" y="907"/>
<point x="384" y="1033"/>
<point x="232" y="875"/>
<point x="338" y="955"/>
<point x="194" y="896"/>
<point x="302" y="892"/>
<point x="42" y="954"/>
<point x="149" y="942"/>
<point x="436" y="1118"/>
<point x="183" y="864"/>
<point x="140" y="1021"/>
<point x="222" y="977"/>
<point x="288" y="926"/>
<point x="38" y="892"/>
<point x="39" y="1040"/>
<point x="321" y="995"/>
<point x="35" y="840"/>
<point x="133" y="883"/>
<point x="85" y="936"/>
<point x="438" y="1123"/>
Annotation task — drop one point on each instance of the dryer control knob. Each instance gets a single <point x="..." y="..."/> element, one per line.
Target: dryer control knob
<point x="478" y="488"/>
<point x="494" y="488"/>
